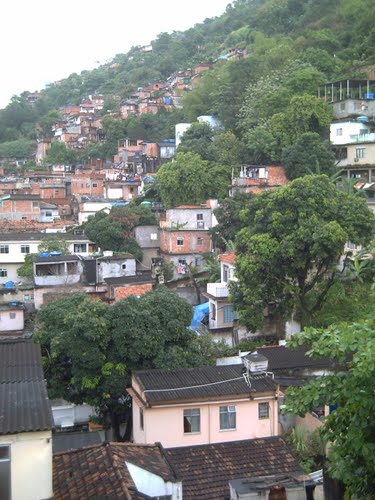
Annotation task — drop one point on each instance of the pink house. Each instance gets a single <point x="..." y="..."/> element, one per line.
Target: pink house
<point x="194" y="406"/>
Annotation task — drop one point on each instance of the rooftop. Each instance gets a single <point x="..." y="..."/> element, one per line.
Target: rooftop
<point x="160" y="386"/>
<point x="56" y="258"/>
<point x="206" y="470"/>
<point x="281" y="357"/>
<point x="100" y="471"/>
<point x="23" y="395"/>
<point x="228" y="257"/>
<point x="128" y="280"/>
<point x="39" y="236"/>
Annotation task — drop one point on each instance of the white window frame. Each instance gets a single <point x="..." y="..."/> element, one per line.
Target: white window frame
<point x="25" y="248"/>
<point x="227" y="418"/>
<point x="192" y="418"/>
<point x="3" y="273"/>
<point x="180" y="241"/>
<point x="4" y="248"/>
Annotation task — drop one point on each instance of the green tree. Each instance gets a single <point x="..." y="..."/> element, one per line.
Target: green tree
<point x="350" y="428"/>
<point x="90" y="348"/>
<point x="309" y="155"/>
<point x="288" y="253"/>
<point x="189" y="179"/>
<point x="114" y="231"/>
<point x="60" y="153"/>
<point x="229" y="219"/>
<point x="20" y="149"/>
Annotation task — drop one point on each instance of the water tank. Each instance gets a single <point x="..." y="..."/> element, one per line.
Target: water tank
<point x="55" y="254"/>
<point x="107" y="253"/>
<point x="9" y="284"/>
<point x="362" y="119"/>
<point x="44" y="254"/>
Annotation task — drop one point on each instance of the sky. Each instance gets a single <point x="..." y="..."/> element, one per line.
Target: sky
<point x="43" y="41"/>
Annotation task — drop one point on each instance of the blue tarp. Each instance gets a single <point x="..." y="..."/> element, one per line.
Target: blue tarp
<point x="199" y="313"/>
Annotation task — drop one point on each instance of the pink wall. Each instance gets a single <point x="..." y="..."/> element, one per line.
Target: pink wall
<point x="165" y="423"/>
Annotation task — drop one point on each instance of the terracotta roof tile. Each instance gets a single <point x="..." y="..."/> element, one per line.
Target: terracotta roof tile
<point x="100" y="471"/>
<point x="205" y="470"/>
<point x="228" y="257"/>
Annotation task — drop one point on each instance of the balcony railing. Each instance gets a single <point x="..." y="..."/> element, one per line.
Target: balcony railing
<point x="359" y="138"/>
<point x="219" y="290"/>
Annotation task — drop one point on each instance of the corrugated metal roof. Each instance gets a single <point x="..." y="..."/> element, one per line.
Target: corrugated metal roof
<point x="24" y="407"/>
<point x="20" y="361"/>
<point x="24" y="404"/>
<point x="197" y="383"/>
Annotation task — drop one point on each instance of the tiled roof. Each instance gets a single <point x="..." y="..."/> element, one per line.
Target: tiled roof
<point x="100" y="471"/>
<point x="280" y="357"/>
<point x="228" y="257"/>
<point x="23" y="396"/>
<point x="20" y="360"/>
<point x="198" y="383"/>
<point x="25" y="407"/>
<point x="205" y="470"/>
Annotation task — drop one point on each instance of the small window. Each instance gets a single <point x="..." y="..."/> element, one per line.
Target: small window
<point x="342" y="106"/>
<point x="153" y="236"/>
<point x="3" y="273"/>
<point x="199" y="216"/>
<point x="198" y="261"/>
<point x="225" y="273"/>
<point x="263" y="410"/>
<point x="94" y="185"/>
<point x="339" y="131"/>
<point x="123" y="266"/>
<point x="227" y="417"/>
<point x="80" y="248"/>
<point x="24" y="218"/>
<point x="4" y="248"/>
<point x="360" y="153"/>
<point x="141" y="419"/>
<point x="182" y="262"/>
<point x="180" y="241"/>
<point x="192" y="420"/>
<point x="200" y="242"/>
<point x="25" y="248"/>
<point x="12" y="315"/>
<point x="56" y="192"/>
<point x="87" y="184"/>
<point x="5" y="490"/>
<point x="229" y="314"/>
<point x="82" y="185"/>
<point x="35" y="204"/>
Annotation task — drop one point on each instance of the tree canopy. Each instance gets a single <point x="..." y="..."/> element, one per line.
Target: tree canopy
<point x="113" y="231"/>
<point x="90" y="348"/>
<point x="190" y="180"/>
<point x="350" y="427"/>
<point x="288" y="254"/>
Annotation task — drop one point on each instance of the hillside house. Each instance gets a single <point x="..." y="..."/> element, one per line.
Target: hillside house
<point x="256" y="179"/>
<point x="14" y="246"/>
<point x="26" y="424"/>
<point x="196" y="406"/>
<point x="185" y="237"/>
<point x="122" y="287"/>
<point x="20" y="207"/>
<point x="87" y="184"/>
<point x="148" y="238"/>
<point x="222" y="317"/>
<point x="12" y="320"/>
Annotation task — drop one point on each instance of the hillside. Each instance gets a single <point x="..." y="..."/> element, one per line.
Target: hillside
<point x="290" y="47"/>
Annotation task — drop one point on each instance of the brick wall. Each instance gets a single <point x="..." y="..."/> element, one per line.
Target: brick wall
<point x="193" y="242"/>
<point x="16" y="209"/>
<point x="87" y="185"/>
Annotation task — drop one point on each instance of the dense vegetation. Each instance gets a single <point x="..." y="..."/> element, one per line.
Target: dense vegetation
<point x="291" y="46"/>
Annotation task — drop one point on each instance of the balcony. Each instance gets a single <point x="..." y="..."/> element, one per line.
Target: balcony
<point x="218" y="290"/>
<point x="360" y="138"/>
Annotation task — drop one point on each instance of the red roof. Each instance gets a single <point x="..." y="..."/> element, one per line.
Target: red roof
<point x="228" y="257"/>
